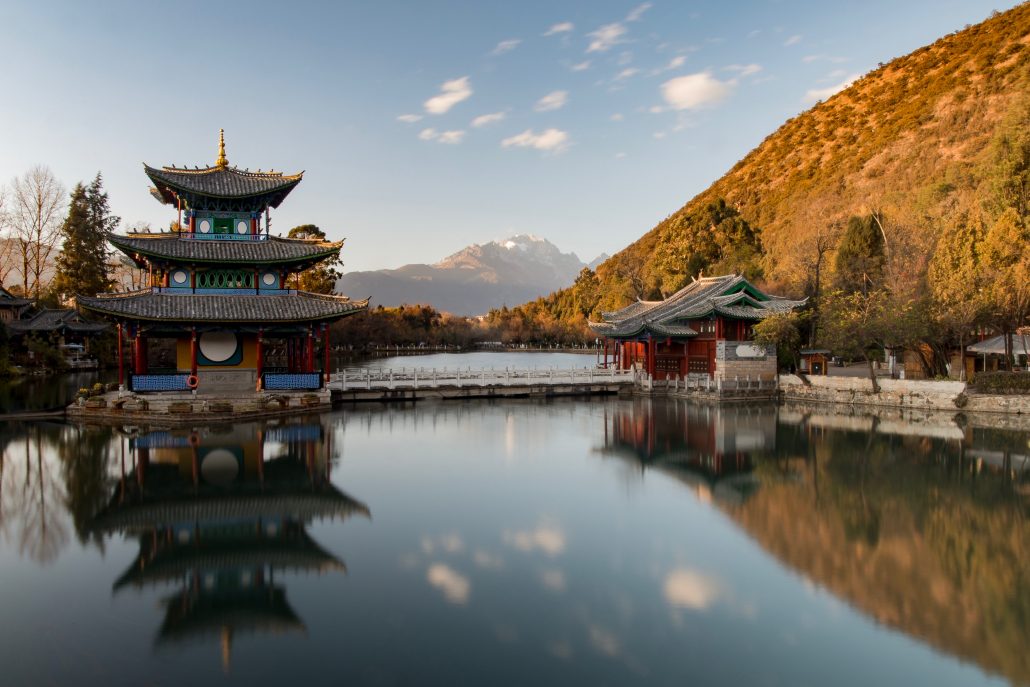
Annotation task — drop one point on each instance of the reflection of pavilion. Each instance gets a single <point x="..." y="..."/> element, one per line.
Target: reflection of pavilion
<point x="709" y="448"/>
<point x="217" y="519"/>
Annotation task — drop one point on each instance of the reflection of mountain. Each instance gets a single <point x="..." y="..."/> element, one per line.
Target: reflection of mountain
<point x="924" y="530"/>
<point x="218" y="519"/>
<point x="708" y="448"/>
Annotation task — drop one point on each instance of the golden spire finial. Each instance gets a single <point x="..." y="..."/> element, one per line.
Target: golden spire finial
<point x="221" y="161"/>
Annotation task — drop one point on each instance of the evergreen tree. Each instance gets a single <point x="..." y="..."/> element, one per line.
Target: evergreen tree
<point x="322" y="277"/>
<point x="82" y="266"/>
<point x="860" y="257"/>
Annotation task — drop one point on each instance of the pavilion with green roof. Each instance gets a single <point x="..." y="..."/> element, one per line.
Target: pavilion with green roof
<point x="220" y="287"/>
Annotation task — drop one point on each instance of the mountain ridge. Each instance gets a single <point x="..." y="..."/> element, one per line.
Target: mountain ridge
<point x="473" y="280"/>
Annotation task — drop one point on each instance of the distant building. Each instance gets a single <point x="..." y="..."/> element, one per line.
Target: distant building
<point x="12" y="307"/>
<point x="705" y="328"/>
<point x="219" y="288"/>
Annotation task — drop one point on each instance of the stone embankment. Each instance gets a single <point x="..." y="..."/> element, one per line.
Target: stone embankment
<point x="900" y="393"/>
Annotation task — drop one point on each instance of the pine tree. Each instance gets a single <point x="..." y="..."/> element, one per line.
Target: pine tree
<point x="322" y="277"/>
<point x="860" y="257"/>
<point x="82" y="266"/>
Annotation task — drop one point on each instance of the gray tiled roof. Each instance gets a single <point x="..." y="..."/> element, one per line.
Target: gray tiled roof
<point x="294" y="307"/>
<point x="727" y="295"/>
<point x="219" y="182"/>
<point x="272" y="250"/>
<point x="53" y="320"/>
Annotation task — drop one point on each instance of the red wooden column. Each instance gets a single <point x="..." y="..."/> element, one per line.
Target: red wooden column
<point x="121" y="357"/>
<point x="260" y="353"/>
<point x="193" y="351"/>
<point x="137" y="352"/>
<point x="651" y="348"/>
<point x="325" y="352"/>
<point x="310" y="362"/>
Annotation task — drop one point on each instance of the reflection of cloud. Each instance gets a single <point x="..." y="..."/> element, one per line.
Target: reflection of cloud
<point x="603" y="640"/>
<point x="546" y="537"/>
<point x="454" y="585"/>
<point x="560" y="649"/>
<point x="487" y="560"/>
<point x="686" y="588"/>
<point x="450" y="543"/>
<point x="553" y="580"/>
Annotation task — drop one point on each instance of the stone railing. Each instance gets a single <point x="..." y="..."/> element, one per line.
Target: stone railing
<point x="423" y="378"/>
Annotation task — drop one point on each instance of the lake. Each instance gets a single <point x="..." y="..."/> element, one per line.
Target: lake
<point x="604" y="542"/>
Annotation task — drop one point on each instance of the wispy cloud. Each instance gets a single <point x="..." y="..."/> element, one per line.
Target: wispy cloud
<point x="450" y="137"/>
<point x="549" y="140"/>
<point x="676" y="62"/>
<point x="451" y="93"/>
<point x="563" y="27"/>
<point x="617" y="117"/>
<point x="581" y="66"/>
<point x="793" y="40"/>
<point x="695" y="91"/>
<point x="505" y="46"/>
<point x="483" y="120"/>
<point x="409" y="118"/>
<point x="626" y="73"/>
<point x="814" y="95"/>
<point x="554" y="100"/>
<point x="606" y="37"/>
<point x="835" y="59"/>
<point x="743" y="70"/>
<point x="637" y="12"/>
<point x="455" y="586"/>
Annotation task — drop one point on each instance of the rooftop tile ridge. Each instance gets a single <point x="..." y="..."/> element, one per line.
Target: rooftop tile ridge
<point x="212" y="169"/>
<point x="118" y="294"/>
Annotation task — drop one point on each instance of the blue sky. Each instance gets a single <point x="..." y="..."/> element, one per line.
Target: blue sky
<point x="601" y="117"/>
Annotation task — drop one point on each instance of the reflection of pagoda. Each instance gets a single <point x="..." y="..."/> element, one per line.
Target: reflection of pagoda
<point x="709" y="448"/>
<point x="218" y="519"/>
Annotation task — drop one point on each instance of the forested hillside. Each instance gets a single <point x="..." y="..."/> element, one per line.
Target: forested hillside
<point x="925" y="147"/>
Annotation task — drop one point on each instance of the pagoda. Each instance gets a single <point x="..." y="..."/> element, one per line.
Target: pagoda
<point x="220" y="286"/>
<point x="706" y="329"/>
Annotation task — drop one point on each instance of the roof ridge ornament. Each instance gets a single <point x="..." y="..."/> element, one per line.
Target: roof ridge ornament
<point x="222" y="161"/>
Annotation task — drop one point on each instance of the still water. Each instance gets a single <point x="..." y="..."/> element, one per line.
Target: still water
<point x="601" y="542"/>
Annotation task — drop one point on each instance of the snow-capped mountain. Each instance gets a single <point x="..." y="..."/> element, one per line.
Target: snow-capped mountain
<point x="473" y="280"/>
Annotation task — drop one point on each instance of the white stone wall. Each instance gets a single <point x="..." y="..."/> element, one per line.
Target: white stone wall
<point x="901" y="393"/>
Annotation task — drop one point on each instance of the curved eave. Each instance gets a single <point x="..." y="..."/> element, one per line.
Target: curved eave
<point x="132" y="307"/>
<point x="133" y="251"/>
<point x="170" y="188"/>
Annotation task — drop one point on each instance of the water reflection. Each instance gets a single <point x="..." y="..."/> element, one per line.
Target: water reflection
<point x="614" y="541"/>
<point x="709" y="448"/>
<point x="917" y="521"/>
<point x="218" y="514"/>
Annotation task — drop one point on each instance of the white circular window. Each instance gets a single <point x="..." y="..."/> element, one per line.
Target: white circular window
<point x="205" y="226"/>
<point x="180" y="276"/>
<point x="268" y="279"/>
<point x="242" y="227"/>
<point x="218" y="346"/>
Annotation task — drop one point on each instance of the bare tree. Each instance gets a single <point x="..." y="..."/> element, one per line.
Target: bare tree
<point x="37" y="202"/>
<point x="7" y="252"/>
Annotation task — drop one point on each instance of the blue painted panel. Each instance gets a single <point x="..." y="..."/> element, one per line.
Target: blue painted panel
<point x="176" y="382"/>
<point x="293" y="381"/>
